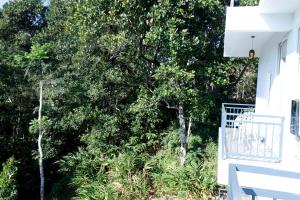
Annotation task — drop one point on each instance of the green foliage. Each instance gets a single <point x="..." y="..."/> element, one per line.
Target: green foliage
<point x="111" y="70"/>
<point x="35" y="124"/>
<point x="105" y="178"/>
<point x="20" y="21"/>
<point x="61" y="190"/>
<point x="249" y="2"/>
<point x="196" y="178"/>
<point x="19" y="18"/>
<point x="145" y="111"/>
<point x="49" y="143"/>
<point x="138" y="176"/>
<point x="8" y="183"/>
<point x="37" y="52"/>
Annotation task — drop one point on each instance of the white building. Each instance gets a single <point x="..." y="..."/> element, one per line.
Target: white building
<point x="266" y="135"/>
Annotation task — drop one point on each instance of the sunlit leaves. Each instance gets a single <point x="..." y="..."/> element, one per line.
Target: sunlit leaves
<point x="8" y="183"/>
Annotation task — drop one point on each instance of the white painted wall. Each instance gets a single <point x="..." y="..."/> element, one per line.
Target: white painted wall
<point x="284" y="86"/>
<point x="268" y="92"/>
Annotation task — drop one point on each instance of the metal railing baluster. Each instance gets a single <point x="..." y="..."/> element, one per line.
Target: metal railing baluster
<point x="265" y="140"/>
<point x="272" y="143"/>
<point x="256" y="137"/>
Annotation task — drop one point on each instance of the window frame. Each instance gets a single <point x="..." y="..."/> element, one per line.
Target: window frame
<point x="298" y="50"/>
<point x="282" y="50"/>
<point x="295" y="112"/>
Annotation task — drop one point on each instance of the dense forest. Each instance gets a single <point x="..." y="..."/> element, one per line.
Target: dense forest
<point x="103" y="99"/>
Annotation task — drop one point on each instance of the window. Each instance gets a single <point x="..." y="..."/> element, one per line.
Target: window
<point x="294" y="128"/>
<point x="283" y="51"/>
<point x="268" y="87"/>
<point x="279" y="59"/>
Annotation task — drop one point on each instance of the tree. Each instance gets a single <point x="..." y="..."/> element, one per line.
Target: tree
<point x="40" y="148"/>
<point x="38" y="69"/>
<point x="20" y="21"/>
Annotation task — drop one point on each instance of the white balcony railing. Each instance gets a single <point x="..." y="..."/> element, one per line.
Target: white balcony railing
<point x="235" y="190"/>
<point x="233" y="2"/>
<point x="247" y="135"/>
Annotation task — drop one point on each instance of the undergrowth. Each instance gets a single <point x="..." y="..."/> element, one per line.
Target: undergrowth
<point x="130" y="175"/>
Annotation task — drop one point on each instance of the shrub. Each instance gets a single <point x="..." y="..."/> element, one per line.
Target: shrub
<point x="196" y="178"/>
<point x="8" y="188"/>
<point x="129" y="175"/>
<point x="126" y="176"/>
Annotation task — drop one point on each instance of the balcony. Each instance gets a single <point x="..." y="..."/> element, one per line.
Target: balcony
<point x="247" y="135"/>
<point x="246" y="21"/>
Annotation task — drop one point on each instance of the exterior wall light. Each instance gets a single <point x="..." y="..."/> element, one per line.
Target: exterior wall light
<point x="252" y="52"/>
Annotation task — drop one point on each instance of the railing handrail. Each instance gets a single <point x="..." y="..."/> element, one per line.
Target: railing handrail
<point x="238" y="104"/>
<point x="235" y="106"/>
<point x="235" y="190"/>
<point x="254" y="122"/>
<point x="257" y="115"/>
<point x="250" y="106"/>
<point x="257" y="158"/>
<point x="266" y="171"/>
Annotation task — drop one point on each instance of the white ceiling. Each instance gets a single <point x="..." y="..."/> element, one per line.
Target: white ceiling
<point x="249" y="19"/>
<point x="238" y="44"/>
<point x="244" y="22"/>
<point x="278" y="6"/>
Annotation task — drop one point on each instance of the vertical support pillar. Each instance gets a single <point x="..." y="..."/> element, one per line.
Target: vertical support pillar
<point x="281" y="138"/>
<point x="233" y="188"/>
<point x="223" y="125"/>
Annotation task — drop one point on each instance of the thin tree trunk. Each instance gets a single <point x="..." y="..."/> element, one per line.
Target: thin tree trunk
<point x="243" y="91"/>
<point x="183" y="135"/>
<point x="189" y="127"/>
<point x="41" y="132"/>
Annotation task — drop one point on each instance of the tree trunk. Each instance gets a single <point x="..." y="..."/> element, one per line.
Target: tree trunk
<point x="189" y="127"/>
<point x="41" y="132"/>
<point x="183" y="135"/>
